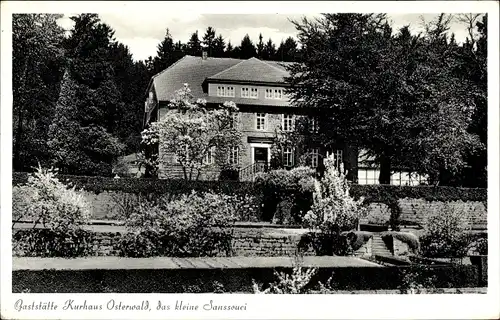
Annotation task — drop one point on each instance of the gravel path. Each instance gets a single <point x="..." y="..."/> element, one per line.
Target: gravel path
<point x="118" y="263"/>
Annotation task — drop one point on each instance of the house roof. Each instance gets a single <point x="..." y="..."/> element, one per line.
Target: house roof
<point x="195" y="70"/>
<point x="191" y="70"/>
<point x="252" y="70"/>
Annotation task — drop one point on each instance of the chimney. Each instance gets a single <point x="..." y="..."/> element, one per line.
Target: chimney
<point x="204" y="55"/>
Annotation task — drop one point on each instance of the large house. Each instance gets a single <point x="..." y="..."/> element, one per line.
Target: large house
<point x="258" y="89"/>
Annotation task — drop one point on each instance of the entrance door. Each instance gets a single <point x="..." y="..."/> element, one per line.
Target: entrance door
<point x="260" y="158"/>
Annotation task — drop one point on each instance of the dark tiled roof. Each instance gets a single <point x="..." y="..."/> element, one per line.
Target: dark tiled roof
<point x="194" y="71"/>
<point x="253" y="70"/>
<point x="191" y="70"/>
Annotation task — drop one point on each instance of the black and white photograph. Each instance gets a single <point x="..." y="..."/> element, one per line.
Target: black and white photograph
<point x="167" y="151"/>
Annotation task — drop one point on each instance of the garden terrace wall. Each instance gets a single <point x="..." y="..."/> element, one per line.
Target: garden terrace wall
<point x="246" y="242"/>
<point x="110" y="198"/>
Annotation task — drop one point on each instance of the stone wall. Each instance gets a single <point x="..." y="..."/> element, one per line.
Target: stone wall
<point x="115" y="204"/>
<point x="253" y="242"/>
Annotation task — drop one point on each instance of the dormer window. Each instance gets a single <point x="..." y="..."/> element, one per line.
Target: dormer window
<point x="274" y="94"/>
<point x="247" y="92"/>
<point x="225" y="91"/>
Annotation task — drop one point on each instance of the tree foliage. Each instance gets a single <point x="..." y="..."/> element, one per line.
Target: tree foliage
<point x="393" y="94"/>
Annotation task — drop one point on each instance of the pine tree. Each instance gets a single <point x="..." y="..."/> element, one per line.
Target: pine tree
<point x="229" y="50"/>
<point x="37" y="69"/>
<point x="165" y="53"/>
<point x="260" y="47"/>
<point x="247" y="48"/>
<point x="208" y="41"/>
<point x="269" y="50"/>
<point x="194" y="45"/>
<point x="82" y="135"/>
<point x="219" y="46"/>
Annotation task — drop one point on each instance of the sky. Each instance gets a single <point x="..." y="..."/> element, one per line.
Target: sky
<point x="143" y="33"/>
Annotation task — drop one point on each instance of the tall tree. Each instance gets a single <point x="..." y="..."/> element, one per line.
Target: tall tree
<point x="394" y="96"/>
<point x="247" y="48"/>
<point x="82" y="135"/>
<point x="260" y="47"/>
<point x="229" y="50"/>
<point x="219" y="46"/>
<point x="165" y="53"/>
<point x="269" y="50"/>
<point x="194" y="45"/>
<point x="37" y="65"/>
<point x="208" y="41"/>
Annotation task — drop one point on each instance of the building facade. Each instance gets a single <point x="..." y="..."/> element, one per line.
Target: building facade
<point x="258" y="89"/>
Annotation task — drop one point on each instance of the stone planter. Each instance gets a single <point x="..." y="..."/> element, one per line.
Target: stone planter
<point x="481" y="261"/>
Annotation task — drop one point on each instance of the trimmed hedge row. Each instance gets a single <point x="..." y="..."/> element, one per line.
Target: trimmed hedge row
<point x="385" y="193"/>
<point x="230" y="280"/>
<point x="372" y="193"/>
<point x="146" y="186"/>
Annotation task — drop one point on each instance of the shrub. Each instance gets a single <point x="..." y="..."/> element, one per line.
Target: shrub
<point x="356" y="239"/>
<point x="295" y="283"/>
<point x="62" y="211"/>
<point x="295" y="185"/>
<point x="482" y="246"/>
<point x="52" y="243"/>
<point x="229" y="174"/>
<point x="194" y="225"/>
<point x="246" y="207"/>
<point x="333" y="210"/>
<point x="407" y="237"/>
<point x="445" y="231"/>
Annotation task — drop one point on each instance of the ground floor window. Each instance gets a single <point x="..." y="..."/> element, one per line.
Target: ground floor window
<point x="288" y="159"/>
<point x="234" y="157"/>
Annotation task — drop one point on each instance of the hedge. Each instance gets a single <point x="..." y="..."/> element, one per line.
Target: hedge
<point x="146" y="186"/>
<point x="148" y="280"/>
<point x="372" y="193"/>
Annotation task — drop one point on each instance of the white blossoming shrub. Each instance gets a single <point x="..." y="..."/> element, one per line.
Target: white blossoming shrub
<point x="446" y="231"/>
<point x="334" y="210"/>
<point x="190" y="131"/>
<point x="193" y="225"/>
<point x="53" y="204"/>
<point x="60" y="210"/>
<point x="295" y="283"/>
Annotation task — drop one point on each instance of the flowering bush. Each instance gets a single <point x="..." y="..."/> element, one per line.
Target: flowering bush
<point x="190" y="132"/>
<point x="193" y="225"/>
<point x="334" y="210"/>
<point x="62" y="211"/>
<point x="246" y="207"/>
<point x="446" y="231"/>
<point x="295" y="283"/>
<point x="53" y="204"/>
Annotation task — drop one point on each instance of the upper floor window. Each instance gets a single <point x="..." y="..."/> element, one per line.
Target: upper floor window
<point x="314" y="157"/>
<point x="225" y="91"/>
<point x="247" y="92"/>
<point x="313" y="124"/>
<point x="274" y="94"/>
<point x="210" y="156"/>
<point x="234" y="120"/>
<point x="234" y="156"/>
<point x="254" y="93"/>
<point x="260" y="121"/>
<point x="337" y="156"/>
<point x="287" y="122"/>
<point x="288" y="160"/>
